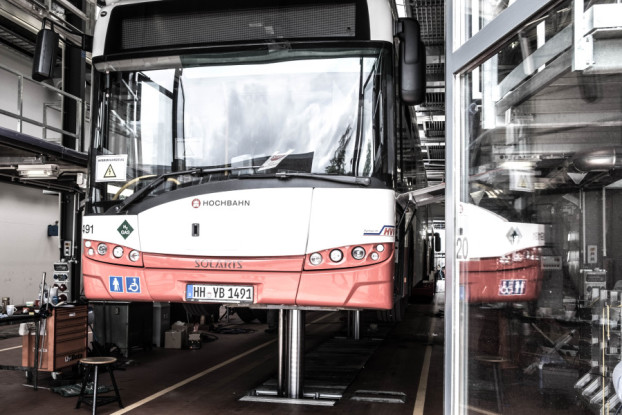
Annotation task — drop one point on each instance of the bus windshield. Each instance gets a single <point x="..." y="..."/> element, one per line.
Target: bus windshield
<point x="311" y="112"/>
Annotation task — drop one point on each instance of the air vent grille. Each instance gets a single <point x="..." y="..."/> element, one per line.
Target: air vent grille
<point x="156" y="29"/>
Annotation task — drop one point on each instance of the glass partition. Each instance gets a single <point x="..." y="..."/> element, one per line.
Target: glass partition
<point x="538" y="256"/>
<point x="478" y="13"/>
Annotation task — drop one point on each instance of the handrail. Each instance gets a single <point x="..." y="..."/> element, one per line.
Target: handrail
<point x="39" y="124"/>
<point x="21" y="119"/>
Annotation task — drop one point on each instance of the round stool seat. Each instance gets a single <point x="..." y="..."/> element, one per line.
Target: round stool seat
<point x="98" y="360"/>
<point x="91" y="372"/>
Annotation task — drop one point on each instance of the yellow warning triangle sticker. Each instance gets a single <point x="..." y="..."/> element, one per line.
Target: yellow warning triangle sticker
<point x="522" y="182"/>
<point x="110" y="172"/>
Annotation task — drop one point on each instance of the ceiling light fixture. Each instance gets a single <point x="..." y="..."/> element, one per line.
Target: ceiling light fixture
<point x="38" y="171"/>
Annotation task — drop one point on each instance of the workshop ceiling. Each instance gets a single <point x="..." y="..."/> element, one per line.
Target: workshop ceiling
<point x="431" y="113"/>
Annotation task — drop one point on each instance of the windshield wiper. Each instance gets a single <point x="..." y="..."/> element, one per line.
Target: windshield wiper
<point x="363" y="181"/>
<point x="164" y="176"/>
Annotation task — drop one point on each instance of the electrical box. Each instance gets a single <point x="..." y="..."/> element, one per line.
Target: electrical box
<point x="62" y="281"/>
<point x="67" y="246"/>
<point x="595" y="281"/>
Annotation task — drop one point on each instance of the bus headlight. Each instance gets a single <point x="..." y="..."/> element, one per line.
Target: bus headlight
<point x="102" y="249"/>
<point x="117" y="252"/>
<point x="336" y="255"/>
<point x="348" y="256"/>
<point x="134" y="256"/>
<point x="358" y="253"/>
<point x="113" y="253"/>
<point x="315" y="259"/>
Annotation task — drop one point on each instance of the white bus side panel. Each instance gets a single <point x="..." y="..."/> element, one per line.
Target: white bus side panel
<point x="488" y="235"/>
<point x="342" y="217"/>
<point x="118" y="229"/>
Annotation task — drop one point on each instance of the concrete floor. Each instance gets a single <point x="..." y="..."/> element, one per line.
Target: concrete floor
<point x="215" y="377"/>
<point x="224" y="370"/>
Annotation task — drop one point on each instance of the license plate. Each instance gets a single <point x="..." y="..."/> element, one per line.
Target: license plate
<point x="220" y="293"/>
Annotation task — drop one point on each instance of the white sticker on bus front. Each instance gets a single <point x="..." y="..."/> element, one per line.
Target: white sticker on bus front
<point x="111" y="168"/>
<point x="274" y="160"/>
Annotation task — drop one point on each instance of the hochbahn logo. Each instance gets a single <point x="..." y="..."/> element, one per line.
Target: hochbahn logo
<point x="196" y="203"/>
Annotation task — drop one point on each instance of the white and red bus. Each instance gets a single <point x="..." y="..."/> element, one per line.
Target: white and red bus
<point x="503" y="264"/>
<point x="246" y="152"/>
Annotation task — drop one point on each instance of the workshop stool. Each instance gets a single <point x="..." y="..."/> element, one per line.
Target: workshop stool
<point x="106" y="363"/>
<point x="496" y="362"/>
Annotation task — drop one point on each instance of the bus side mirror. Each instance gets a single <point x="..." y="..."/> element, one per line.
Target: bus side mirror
<point x="412" y="61"/>
<point x="45" y="54"/>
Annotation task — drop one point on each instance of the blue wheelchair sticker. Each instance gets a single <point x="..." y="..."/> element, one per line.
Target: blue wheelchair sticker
<point x="512" y="287"/>
<point x="132" y="285"/>
<point x="115" y="284"/>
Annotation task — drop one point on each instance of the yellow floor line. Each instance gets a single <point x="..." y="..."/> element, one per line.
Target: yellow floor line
<point x="423" y="382"/>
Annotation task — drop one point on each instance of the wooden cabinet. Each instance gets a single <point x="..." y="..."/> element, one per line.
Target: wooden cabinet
<point x="64" y="341"/>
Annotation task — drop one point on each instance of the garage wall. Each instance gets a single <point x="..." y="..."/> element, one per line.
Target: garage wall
<point x="25" y="213"/>
<point x="25" y="249"/>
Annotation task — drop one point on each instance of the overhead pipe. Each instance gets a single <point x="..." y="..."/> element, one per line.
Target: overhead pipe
<point x="600" y="159"/>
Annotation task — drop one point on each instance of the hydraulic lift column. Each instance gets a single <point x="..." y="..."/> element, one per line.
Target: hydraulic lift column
<point x="291" y="353"/>
<point x="290" y="387"/>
